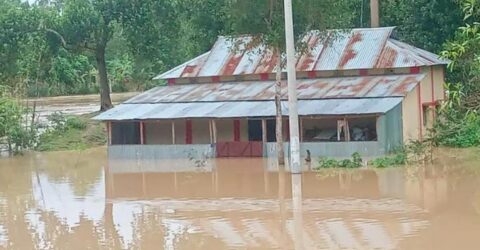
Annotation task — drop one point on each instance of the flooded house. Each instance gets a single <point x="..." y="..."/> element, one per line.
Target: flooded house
<point x="359" y="90"/>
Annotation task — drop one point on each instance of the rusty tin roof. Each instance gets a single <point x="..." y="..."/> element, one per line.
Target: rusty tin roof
<point x="331" y="50"/>
<point x="320" y="88"/>
<point x="324" y="96"/>
<point x="247" y="109"/>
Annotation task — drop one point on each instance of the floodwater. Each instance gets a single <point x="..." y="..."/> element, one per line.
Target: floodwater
<point x="71" y="105"/>
<point x="78" y="200"/>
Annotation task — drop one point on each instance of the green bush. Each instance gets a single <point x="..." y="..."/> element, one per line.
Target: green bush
<point x="398" y="159"/>
<point x="458" y="130"/>
<point x="14" y="128"/>
<point x="75" y="123"/>
<point x="62" y="123"/>
<point x="355" y="162"/>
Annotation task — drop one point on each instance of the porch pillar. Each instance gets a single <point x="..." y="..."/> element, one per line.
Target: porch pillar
<point x="173" y="132"/>
<point x="214" y="130"/>
<point x="142" y="137"/>
<point x="347" y="129"/>
<point x="236" y="130"/>
<point x="210" y="131"/>
<point x="109" y="131"/>
<point x="301" y="129"/>
<point x="264" y="131"/>
<point x="188" y="132"/>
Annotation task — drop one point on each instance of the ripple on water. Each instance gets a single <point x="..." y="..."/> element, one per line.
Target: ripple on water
<point x="3" y="236"/>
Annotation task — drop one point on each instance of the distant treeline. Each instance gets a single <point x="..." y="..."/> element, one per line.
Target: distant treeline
<point x="56" y="47"/>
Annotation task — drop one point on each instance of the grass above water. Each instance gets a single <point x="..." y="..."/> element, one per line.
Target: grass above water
<point x="78" y="133"/>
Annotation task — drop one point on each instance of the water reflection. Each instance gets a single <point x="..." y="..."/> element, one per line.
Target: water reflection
<point x="79" y="200"/>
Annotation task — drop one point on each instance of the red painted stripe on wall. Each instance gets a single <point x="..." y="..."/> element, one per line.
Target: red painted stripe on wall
<point x="312" y="74"/>
<point x="363" y="72"/>
<point x="188" y="132"/>
<point x="420" y="111"/>
<point x="264" y="77"/>
<point x="433" y="91"/>
<point x="236" y="130"/>
<point x="433" y="84"/>
<point x="215" y="79"/>
<point x="414" y="70"/>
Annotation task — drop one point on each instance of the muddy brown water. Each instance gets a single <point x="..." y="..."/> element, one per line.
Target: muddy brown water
<point x="78" y="200"/>
<point x="71" y="105"/>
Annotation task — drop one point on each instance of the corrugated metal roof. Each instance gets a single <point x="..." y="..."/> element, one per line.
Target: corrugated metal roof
<point x="252" y="109"/>
<point x="330" y="50"/>
<point x="400" y="54"/>
<point x="321" y="88"/>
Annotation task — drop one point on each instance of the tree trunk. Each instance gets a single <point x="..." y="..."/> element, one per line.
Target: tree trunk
<point x="278" y="106"/>
<point x="105" y="101"/>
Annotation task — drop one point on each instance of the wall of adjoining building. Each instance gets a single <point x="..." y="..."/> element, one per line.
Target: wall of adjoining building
<point x="389" y="129"/>
<point x="411" y="116"/>
<point x="417" y="122"/>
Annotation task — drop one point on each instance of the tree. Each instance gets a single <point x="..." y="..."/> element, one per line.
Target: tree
<point x="88" y="26"/>
<point x="426" y="24"/>
<point x="163" y="34"/>
<point x="264" y="21"/>
<point x="459" y="120"/>
<point x="464" y="51"/>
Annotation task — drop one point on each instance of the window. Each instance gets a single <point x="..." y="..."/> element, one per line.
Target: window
<point x="339" y="129"/>
<point x="363" y="129"/>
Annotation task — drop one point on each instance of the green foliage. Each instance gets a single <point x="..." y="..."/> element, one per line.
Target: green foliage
<point x="265" y="19"/>
<point x="71" y="133"/>
<point x="424" y="23"/>
<point x="355" y="162"/>
<point x="415" y="152"/>
<point x="61" y="123"/>
<point x="459" y="119"/>
<point x="397" y="159"/>
<point x="14" y="130"/>
<point x="457" y="129"/>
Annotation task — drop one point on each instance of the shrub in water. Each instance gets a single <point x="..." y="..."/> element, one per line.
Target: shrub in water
<point x="355" y="162"/>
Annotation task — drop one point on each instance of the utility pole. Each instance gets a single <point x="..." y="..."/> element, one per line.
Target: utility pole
<point x="374" y="14"/>
<point x="295" y="165"/>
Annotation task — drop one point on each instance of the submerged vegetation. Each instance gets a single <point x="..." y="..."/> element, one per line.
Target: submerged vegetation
<point x="415" y="152"/>
<point x="71" y="133"/>
<point x="355" y="162"/>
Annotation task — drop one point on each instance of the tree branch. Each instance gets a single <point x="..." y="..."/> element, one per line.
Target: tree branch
<point x="62" y="40"/>
<point x="64" y="43"/>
